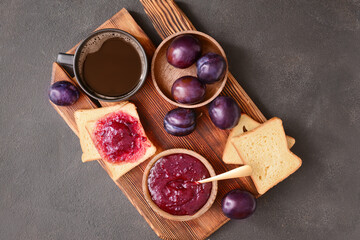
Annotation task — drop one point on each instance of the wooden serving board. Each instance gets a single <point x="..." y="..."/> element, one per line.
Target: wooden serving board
<point x="207" y="140"/>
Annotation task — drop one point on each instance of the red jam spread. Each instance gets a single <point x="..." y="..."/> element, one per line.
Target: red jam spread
<point x="119" y="138"/>
<point x="172" y="184"/>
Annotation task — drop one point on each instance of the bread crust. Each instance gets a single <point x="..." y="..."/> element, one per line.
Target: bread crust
<point x="284" y="147"/>
<point x="230" y="155"/>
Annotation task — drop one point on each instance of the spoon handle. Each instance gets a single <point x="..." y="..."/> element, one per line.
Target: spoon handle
<point x="242" y="171"/>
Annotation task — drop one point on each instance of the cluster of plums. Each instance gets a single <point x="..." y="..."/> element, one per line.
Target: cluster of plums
<point x="183" y="52"/>
<point x="224" y="112"/>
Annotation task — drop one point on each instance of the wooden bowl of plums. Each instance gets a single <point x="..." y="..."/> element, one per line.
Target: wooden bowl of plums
<point x="189" y="69"/>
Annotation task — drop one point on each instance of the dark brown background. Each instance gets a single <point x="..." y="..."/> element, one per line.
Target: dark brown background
<point x="298" y="60"/>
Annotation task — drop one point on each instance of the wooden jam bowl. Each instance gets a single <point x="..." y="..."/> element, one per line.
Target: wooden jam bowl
<point x="164" y="74"/>
<point x="167" y="215"/>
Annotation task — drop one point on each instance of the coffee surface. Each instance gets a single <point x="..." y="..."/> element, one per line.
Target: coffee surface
<point x="114" y="69"/>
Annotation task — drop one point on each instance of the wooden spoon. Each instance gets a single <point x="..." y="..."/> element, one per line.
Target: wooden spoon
<point x="242" y="171"/>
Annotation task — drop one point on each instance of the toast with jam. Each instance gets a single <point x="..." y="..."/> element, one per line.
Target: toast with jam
<point x="114" y="134"/>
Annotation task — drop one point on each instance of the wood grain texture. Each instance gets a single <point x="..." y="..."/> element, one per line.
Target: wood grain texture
<point x="67" y="113"/>
<point x="207" y="140"/>
<point x="166" y="17"/>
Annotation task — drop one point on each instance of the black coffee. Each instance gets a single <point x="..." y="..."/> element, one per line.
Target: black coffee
<point x="114" y="69"/>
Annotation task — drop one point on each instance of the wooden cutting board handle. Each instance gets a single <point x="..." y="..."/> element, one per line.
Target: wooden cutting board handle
<point x="168" y="19"/>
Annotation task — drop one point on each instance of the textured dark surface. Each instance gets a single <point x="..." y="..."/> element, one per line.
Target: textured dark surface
<point x="298" y="60"/>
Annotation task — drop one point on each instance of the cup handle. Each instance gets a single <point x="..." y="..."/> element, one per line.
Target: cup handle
<point x="67" y="62"/>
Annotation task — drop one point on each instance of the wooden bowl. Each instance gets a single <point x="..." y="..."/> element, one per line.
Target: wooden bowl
<point x="161" y="212"/>
<point x="164" y="74"/>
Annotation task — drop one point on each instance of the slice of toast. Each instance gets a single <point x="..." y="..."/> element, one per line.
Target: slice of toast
<point x="86" y="123"/>
<point x="81" y="118"/>
<point x="246" y="123"/>
<point x="266" y="150"/>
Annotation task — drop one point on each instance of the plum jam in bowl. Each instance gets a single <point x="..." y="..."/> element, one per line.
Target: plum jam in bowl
<point x="170" y="188"/>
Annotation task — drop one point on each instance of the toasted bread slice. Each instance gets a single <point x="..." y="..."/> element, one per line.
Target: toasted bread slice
<point x="90" y="152"/>
<point x="266" y="150"/>
<point x="246" y="123"/>
<point x="81" y="118"/>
